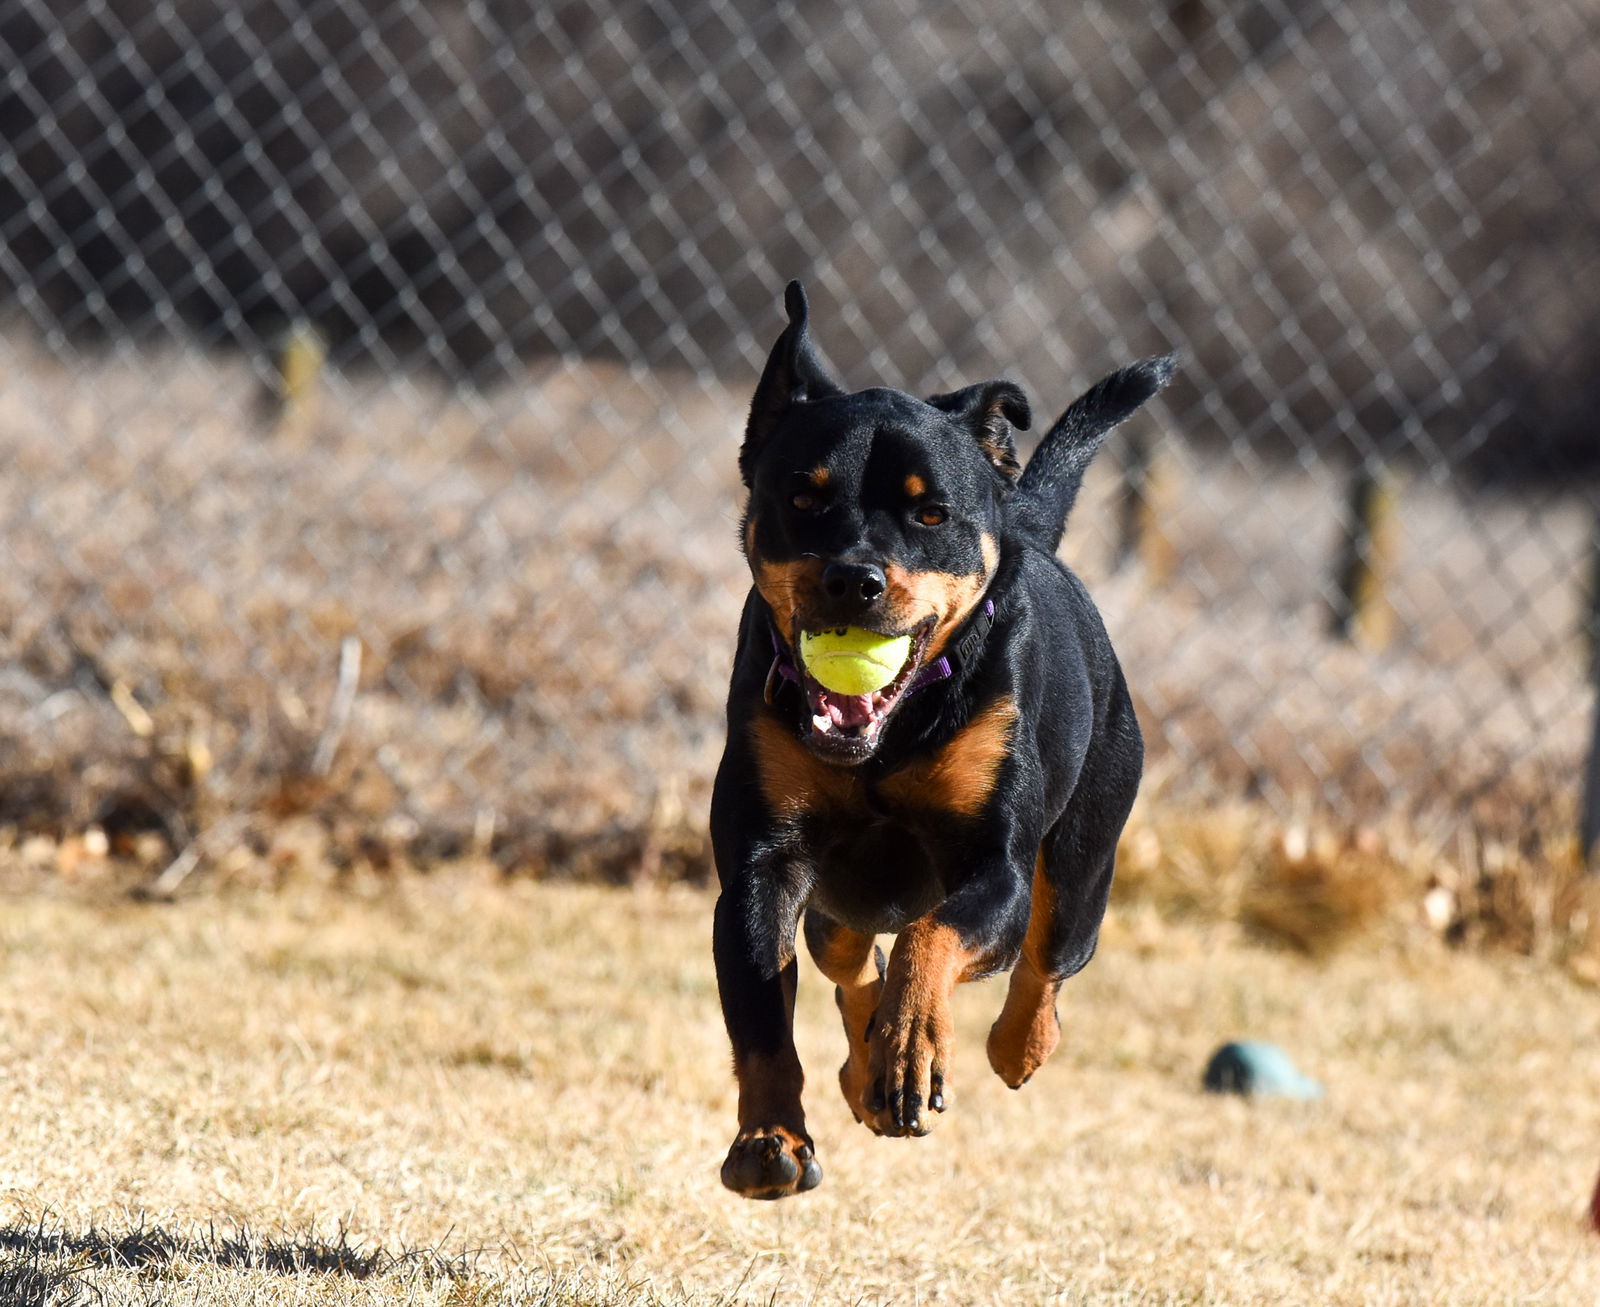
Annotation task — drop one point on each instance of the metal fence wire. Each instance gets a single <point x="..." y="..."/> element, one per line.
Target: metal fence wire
<point x="372" y="373"/>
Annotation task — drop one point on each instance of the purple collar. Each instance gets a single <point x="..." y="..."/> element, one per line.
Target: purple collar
<point x="940" y="669"/>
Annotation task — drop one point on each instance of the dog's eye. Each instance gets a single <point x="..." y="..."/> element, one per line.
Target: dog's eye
<point x="805" y="502"/>
<point x="932" y="515"/>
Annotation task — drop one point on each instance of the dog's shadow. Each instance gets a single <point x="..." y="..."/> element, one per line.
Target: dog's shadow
<point x="42" y="1265"/>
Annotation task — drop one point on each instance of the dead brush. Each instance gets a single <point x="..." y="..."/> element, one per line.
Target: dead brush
<point x="532" y="689"/>
<point x="1313" y="887"/>
<point x="1313" y="890"/>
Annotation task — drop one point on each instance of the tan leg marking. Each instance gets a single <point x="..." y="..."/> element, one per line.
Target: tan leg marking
<point x="850" y="960"/>
<point x="908" y="1058"/>
<point x="1028" y="1029"/>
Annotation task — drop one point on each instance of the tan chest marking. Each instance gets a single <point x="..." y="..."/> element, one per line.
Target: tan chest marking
<point x="961" y="776"/>
<point x="793" y="781"/>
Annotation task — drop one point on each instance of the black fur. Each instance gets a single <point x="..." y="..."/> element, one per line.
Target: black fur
<point x="1050" y="483"/>
<point x="847" y="824"/>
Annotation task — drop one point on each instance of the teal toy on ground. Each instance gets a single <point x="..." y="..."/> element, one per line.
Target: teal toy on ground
<point x="1256" y="1068"/>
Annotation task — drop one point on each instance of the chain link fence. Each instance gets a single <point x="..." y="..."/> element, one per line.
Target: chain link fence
<point x="372" y="373"/>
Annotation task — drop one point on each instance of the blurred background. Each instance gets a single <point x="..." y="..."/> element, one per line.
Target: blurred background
<point x="372" y="374"/>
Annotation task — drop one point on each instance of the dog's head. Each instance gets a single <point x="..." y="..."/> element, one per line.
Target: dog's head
<point x="873" y="509"/>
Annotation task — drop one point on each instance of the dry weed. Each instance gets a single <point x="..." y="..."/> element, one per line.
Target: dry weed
<point x="1316" y="888"/>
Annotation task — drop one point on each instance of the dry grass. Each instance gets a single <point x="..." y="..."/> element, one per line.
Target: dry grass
<point x="452" y="1090"/>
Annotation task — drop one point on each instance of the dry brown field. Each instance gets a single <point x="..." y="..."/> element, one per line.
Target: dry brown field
<point x="458" y="1090"/>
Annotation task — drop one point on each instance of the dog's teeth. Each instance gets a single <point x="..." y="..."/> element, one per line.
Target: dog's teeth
<point x="821" y="722"/>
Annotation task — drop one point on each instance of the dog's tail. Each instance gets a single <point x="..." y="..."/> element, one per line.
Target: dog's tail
<point x="1050" y="482"/>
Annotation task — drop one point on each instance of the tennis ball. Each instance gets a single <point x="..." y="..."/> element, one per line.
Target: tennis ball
<point x="853" y="660"/>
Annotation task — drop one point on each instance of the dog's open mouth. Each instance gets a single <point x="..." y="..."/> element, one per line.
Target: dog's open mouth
<point x="847" y="726"/>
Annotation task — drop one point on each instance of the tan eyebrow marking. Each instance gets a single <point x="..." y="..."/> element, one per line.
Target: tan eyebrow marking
<point x="916" y="487"/>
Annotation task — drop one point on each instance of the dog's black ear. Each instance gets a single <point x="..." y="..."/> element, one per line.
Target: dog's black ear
<point x="793" y="375"/>
<point x="991" y="409"/>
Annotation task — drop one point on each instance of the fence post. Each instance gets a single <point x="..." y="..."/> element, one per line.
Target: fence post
<point x="1589" y="811"/>
<point x="289" y="399"/>
<point x="1140" y="531"/>
<point x="1362" y="612"/>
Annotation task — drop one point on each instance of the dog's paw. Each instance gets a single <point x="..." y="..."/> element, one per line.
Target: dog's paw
<point x="1025" y="1033"/>
<point x="906" y="1087"/>
<point x="771" y="1162"/>
<point x="859" y="1011"/>
<point x="853" y="1084"/>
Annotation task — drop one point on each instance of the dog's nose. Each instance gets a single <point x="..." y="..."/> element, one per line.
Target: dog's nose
<point x="853" y="581"/>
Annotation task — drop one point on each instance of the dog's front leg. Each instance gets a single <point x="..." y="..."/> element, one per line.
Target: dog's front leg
<point x="753" y="940"/>
<point x="974" y="933"/>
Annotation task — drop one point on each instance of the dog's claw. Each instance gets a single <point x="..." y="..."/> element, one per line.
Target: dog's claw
<point x="908" y="1115"/>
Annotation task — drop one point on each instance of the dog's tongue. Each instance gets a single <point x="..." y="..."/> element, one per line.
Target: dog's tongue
<point x="847" y="709"/>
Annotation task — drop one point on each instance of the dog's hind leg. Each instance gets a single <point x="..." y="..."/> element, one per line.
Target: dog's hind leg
<point x="855" y="964"/>
<point x="1071" y="883"/>
<point x="1027" y="1030"/>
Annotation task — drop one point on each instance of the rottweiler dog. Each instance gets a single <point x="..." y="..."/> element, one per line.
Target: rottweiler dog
<point x="972" y="806"/>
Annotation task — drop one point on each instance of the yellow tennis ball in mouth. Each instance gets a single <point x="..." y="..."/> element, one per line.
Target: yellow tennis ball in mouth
<point x="853" y="660"/>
